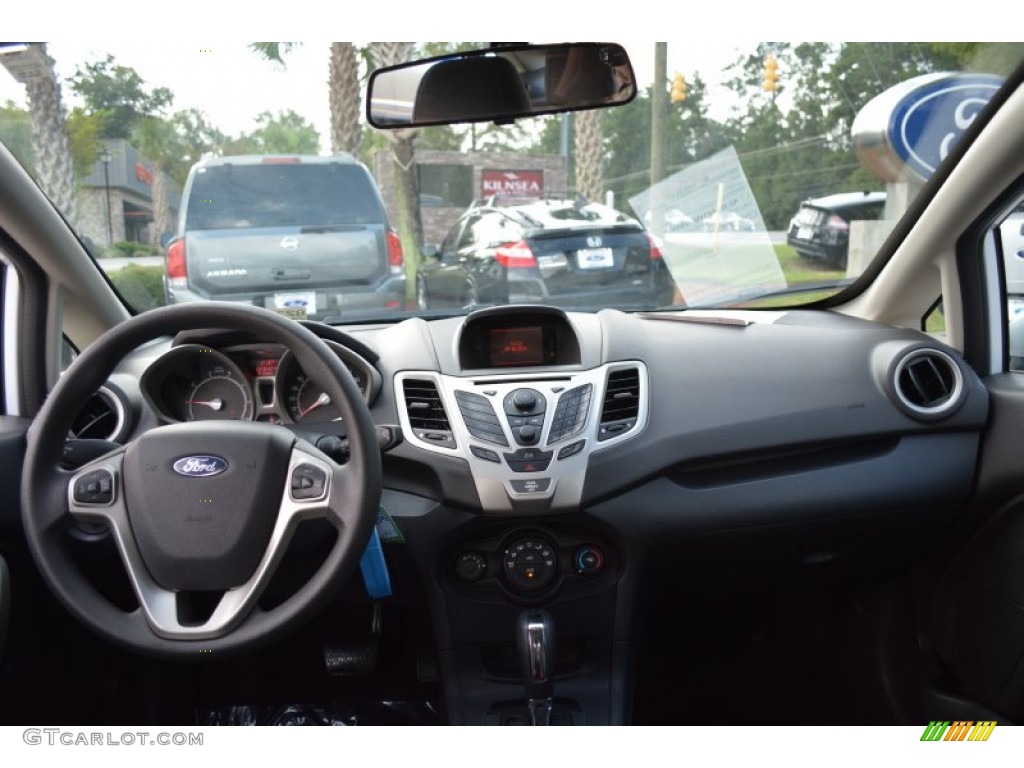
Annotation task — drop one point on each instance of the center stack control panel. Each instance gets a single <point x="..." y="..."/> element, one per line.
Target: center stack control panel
<point x="525" y="399"/>
<point x="527" y="438"/>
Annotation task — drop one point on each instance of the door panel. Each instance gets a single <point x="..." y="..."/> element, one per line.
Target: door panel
<point x="977" y="608"/>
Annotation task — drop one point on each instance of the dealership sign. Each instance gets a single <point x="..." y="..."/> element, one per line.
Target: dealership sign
<point x="905" y="132"/>
<point x="511" y="183"/>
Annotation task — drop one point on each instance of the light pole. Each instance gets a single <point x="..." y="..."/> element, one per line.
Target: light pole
<point x="105" y="158"/>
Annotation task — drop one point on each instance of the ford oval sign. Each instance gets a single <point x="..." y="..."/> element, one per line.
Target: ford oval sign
<point x="200" y="466"/>
<point x="905" y="132"/>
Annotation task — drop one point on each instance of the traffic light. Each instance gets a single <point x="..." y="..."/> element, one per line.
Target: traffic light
<point x="771" y="74"/>
<point x="678" y="88"/>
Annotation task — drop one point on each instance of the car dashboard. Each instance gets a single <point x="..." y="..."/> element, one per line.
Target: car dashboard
<point x="574" y="461"/>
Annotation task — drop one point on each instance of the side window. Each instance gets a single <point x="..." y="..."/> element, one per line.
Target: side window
<point x="468" y="233"/>
<point x="934" y="321"/>
<point x="1010" y="236"/>
<point x="448" y="245"/>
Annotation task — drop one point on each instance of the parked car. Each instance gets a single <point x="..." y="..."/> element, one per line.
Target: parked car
<point x="241" y="214"/>
<point x="728" y="222"/>
<point x="821" y="228"/>
<point x="564" y="251"/>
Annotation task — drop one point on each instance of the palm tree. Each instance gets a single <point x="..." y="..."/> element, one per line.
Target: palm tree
<point x="590" y="154"/>
<point x="34" y="68"/>
<point x="345" y="99"/>
<point x="342" y="87"/>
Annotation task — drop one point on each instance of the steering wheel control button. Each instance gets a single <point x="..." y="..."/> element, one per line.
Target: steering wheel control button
<point x="309" y="483"/>
<point x="570" y="413"/>
<point x="470" y="566"/>
<point x="533" y="485"/>
<point x="589" y="560"/>
<point x="485" y="453"/>
<point x="528" y="460"/>
<point x="529" y="564"/>
<point x="95" y="487"/>
<point x="481" y="421"/>
<point x="571" y="449"/>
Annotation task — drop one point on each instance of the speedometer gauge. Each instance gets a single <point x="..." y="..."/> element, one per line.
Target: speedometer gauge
<point x="220" y="395"/>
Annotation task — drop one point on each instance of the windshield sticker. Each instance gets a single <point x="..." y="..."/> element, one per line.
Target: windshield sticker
<point x="715" y="241"/>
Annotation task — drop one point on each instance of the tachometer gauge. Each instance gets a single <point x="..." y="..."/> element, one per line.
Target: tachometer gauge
<point x="219" y="395"/>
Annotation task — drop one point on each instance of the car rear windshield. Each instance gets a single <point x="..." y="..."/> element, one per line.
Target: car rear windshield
<point x="282" y="195"/>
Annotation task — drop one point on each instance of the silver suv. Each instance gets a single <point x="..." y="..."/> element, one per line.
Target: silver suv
<point x="305" y="235"/>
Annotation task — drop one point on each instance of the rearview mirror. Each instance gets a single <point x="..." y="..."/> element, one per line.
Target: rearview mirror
<point x="500" y="85"/>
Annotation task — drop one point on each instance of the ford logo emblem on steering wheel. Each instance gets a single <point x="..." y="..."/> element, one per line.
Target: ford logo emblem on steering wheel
<point x="200" y="466"/>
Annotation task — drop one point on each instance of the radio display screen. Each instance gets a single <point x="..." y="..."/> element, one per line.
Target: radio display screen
<point x="517" y="346"/>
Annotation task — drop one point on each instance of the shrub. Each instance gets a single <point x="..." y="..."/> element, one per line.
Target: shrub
<point x="127" y="248"/>
<point x="141" y="287"/>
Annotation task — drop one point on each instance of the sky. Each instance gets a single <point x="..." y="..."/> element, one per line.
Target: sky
<point x="232" y="85"/>
<point x="198" y="49"/>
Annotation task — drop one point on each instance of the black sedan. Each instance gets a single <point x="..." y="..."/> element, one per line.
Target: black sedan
<point x="565" y="252"/>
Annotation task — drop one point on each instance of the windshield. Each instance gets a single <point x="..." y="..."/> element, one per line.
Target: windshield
<point x="741" y="175"/>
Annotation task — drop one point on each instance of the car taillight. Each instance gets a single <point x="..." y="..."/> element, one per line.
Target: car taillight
<point x="280" y="160"/>
<point x="177" y="267"/>
<point x="394" y="253"/>
<point x="838" y="223"/>
<point x="515" y="255"/>
<point x="656" y="253"/>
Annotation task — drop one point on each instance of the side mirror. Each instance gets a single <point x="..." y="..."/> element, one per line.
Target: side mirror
<point x="500" y="84"/>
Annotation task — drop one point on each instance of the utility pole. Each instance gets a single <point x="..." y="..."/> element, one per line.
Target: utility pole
<point x="659" y="118"/>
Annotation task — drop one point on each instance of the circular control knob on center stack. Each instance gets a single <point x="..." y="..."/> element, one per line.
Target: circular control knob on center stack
<point x="529" y="564"/>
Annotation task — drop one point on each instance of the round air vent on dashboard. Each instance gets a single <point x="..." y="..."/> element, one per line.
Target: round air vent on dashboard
<point x="101" y="418"/>
<point x="928" y="383"/>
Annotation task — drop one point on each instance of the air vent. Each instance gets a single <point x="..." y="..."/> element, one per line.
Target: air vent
<point x="427" y="416"/>
<point x="929" y="383"/>
<point x="621" y="403"/>
<point x="101" y="418"/>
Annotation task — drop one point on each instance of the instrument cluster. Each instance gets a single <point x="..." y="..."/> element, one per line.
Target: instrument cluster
<point x="246" y="382"/>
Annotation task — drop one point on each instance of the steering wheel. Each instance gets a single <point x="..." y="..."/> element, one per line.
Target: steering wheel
<point x="199" y="508"/>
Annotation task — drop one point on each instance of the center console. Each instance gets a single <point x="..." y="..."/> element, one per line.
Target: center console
<point x="529" y="586"/>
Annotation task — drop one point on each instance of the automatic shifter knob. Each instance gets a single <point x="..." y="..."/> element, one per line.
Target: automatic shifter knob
<point x="535" y="641"/>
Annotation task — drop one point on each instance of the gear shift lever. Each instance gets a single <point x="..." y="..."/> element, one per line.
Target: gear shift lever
<point x="535" y="641"/>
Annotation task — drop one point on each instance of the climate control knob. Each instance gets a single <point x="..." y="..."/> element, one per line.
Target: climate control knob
<point x="470" y="566"/>
<point x="529" y="564"/>
<point x="589" y="560"/>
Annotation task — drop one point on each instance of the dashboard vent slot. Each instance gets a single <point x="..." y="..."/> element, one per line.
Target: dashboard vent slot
<point x="427" y="416"/>
<point x="621" y="403"/>
<point x="929" y="383"/>
<point x="101" y="418"/>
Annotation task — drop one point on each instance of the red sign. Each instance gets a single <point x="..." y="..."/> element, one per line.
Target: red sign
<point x="512" y="183"/>
<point x="143" y="174"/>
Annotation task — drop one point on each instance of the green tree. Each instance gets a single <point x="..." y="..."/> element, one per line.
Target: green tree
<point x="286" y="133"/>
<point x="84" y="132"/>
<point x="691" y="136"/>
<point x="16" y="134"/>
<point x="119" y="94"/>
